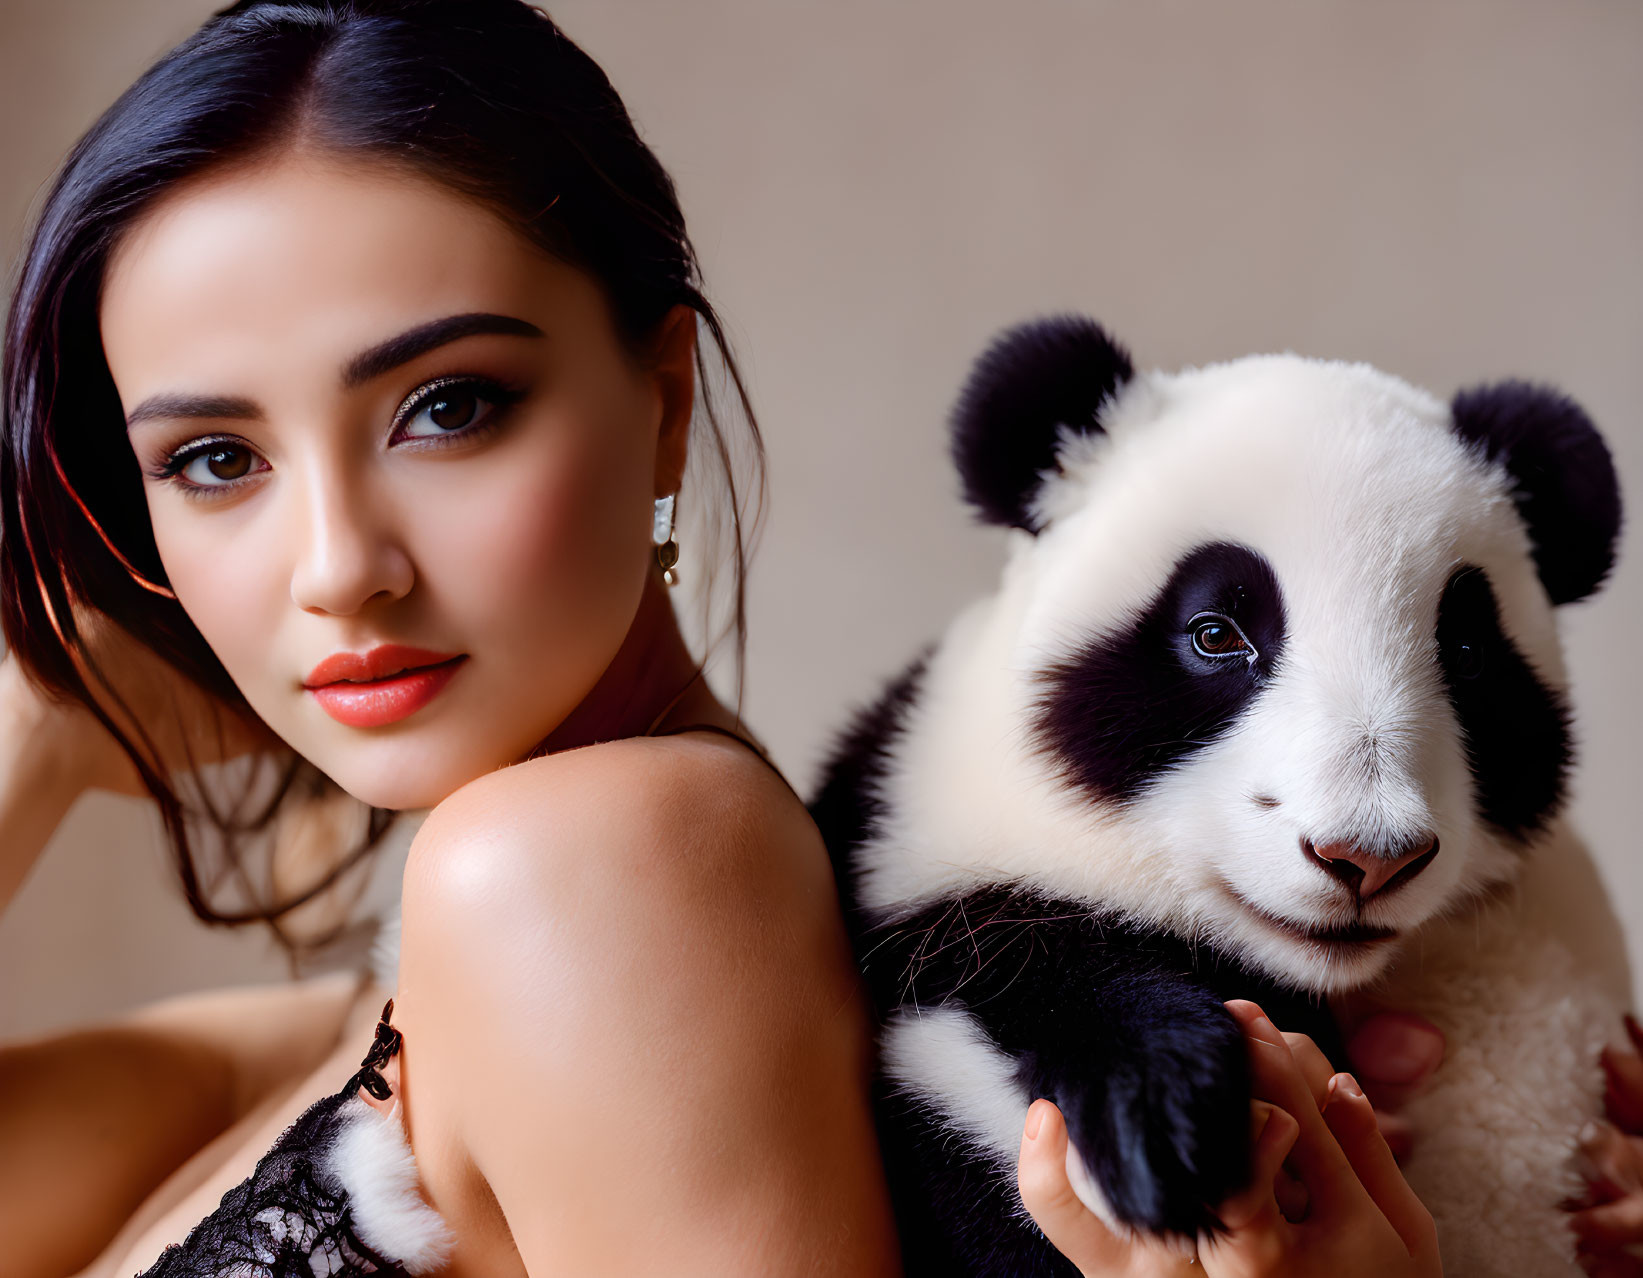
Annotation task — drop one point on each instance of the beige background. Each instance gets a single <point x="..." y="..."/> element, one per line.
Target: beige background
<point x="1453" y="191"/>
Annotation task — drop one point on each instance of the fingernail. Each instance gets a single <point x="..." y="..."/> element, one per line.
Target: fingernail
<point x="1347" y="1084"/>
<point x="1035" y="1120"/>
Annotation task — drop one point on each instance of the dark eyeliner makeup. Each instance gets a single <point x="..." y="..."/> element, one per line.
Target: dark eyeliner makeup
<point x="173" y="463"/>
<point x="499" y="395"/>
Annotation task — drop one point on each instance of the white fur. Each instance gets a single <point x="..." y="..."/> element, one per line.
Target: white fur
<point x="1361" y="496"/>
<point x="1497" y="1126"/>
<point x="943" y="1056"/>
<point x="373" y="1160"/>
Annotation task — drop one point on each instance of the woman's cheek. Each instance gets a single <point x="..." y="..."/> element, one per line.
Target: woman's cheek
<point x="544" y="565"/>
<point x="231" y="574"/>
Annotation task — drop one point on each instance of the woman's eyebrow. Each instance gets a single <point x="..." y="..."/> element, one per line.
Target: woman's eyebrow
<point x="425" y="337"/>
<point x="367" y="365"/>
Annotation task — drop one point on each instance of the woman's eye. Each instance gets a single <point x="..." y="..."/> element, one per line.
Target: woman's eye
<point x="451" y="408"/>
<point x="217" y="465"/>
<point x="1218" y="637"/>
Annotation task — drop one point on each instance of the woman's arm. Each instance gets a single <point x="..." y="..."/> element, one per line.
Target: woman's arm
<point x="285" y="1046"/>
<point x="93" y="1119"/>
<point x="53" y="751"/>
<point x="624" y="980"/>
<point x="42" y="773"/>
<point x="97" y="1124"/>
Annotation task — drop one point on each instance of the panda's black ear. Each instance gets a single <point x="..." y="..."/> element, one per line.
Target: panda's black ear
<point x="1033" y="378"/>
<point x="1564" y="480"/>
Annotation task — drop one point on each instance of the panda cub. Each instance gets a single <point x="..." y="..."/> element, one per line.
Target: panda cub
<point x="1268" y="704"/>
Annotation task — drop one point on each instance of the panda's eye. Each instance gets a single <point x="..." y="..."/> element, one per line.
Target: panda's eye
<point x="1216" y="636"/>
<point x="1467" y="660"/>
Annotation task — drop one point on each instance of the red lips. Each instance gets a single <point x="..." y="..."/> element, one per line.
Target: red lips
<point x="379" y="663"/>
<point x="382" y="686"/>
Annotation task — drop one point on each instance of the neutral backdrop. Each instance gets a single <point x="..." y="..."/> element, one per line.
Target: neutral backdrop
<point x="1451" y="190"/>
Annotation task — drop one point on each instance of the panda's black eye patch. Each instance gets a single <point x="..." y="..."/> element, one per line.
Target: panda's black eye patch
<point x="1138" y="698"/>
<point x="1515" y="727"/>
<point x="1215" y="638"/>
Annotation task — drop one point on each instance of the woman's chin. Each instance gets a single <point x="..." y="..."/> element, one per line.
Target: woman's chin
<point x="400" y="787"/>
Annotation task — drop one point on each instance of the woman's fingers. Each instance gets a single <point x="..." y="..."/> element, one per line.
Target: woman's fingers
<point x="1610" y="1265"/>
<point x="1623" y="1085"/>
<point x="1273" y="1133"/>
<point x="1352" y="1122"/>
<point x="1047" y="1193"/>
<point x="1276" y="1077"/>
<point x="1610" y="1225"/>
<point x="1313" y="1064"/>
<point x="1257" y="1236"/>
<point x="1615" y="1162"/>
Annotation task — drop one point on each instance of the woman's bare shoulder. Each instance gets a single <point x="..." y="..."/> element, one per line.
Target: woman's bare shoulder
<point x="686" y="812"/>
<point x="626" y="967"/>
<point x="601" y="882"/>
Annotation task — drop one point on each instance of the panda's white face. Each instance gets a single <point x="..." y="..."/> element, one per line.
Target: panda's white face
<point x="1341" y="504"/>
<point x="1276" y="672"/>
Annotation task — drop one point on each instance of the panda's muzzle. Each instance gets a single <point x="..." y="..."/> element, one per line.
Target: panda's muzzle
<point x="1370" y="871"/>
<point x="1331" y="934"/>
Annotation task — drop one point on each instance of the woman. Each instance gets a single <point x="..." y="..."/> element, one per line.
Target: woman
<point x="398" y="319"/>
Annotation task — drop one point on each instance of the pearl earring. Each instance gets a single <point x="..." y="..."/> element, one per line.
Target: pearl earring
<point x="661" y="536"/>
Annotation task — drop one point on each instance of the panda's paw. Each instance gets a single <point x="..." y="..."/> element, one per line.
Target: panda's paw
<point x="1163" y="1129"/>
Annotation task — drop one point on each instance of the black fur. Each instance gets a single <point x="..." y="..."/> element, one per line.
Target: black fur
<point x="1564" y="479"/>
<point x="845" y="803"/>
<point x="1033" y="378"/>
<point x="1129" y="705"/>
<point x="1516" y="728"/>
<point x="957" y="1213"/>
<point x="1122" y="1026"/>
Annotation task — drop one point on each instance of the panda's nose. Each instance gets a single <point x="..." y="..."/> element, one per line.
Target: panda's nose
<point x="1368" y="870"/>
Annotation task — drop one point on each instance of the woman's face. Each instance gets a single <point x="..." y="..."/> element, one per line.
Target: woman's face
<point x="369" y="413"/>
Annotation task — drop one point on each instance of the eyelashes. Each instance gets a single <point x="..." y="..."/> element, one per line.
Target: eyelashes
<point x="209" y="449"/>
<point x="230" y="454"/>
<point x="456" y="389"/>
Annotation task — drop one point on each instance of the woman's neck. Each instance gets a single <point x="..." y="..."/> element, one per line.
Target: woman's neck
<point x="652" y="677"/>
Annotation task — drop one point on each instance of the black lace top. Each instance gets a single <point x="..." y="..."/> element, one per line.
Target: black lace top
<point x="334" y="1197"/>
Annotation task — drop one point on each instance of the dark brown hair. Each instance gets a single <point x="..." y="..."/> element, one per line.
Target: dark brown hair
<point x="487" y="97"/>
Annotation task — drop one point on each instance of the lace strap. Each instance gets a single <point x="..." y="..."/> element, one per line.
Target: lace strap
<point x="384" y="1047"/>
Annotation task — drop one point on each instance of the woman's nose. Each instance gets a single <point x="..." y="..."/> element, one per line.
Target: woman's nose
<point x="347" y="555"/>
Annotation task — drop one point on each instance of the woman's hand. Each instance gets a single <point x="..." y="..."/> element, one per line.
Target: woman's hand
<point x="51" y="751"/>
<point x="64" y="734"/>
<point x="1325" y="1196"/>
<point x="44" y="768"/>
<point x="1608" y="1223"/>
